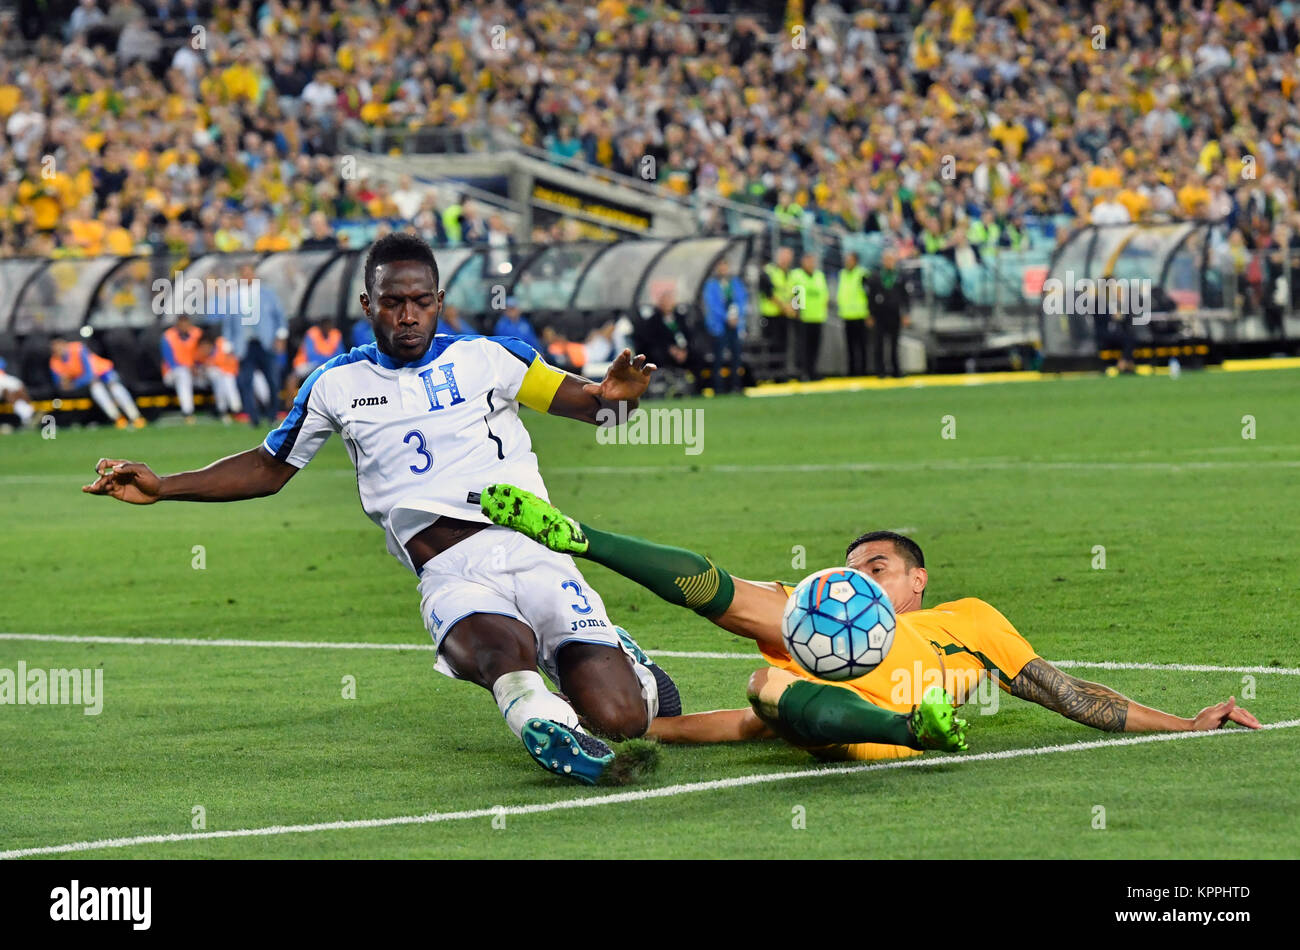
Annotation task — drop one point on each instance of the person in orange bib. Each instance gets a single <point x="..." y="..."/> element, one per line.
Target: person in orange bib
<point x="322" y="342"/>
<point x="221" y="368"/>
<point x="73" y="365"/>
<point x="955" y="645"/>
<point x="179" y="345"/>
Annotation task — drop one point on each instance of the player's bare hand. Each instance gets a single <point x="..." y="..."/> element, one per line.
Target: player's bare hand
<point x="627" y="378"/>
<point x="1218" y="715"/>
<point x="131" y="482"/>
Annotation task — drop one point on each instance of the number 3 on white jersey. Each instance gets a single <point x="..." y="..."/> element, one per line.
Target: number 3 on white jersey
<point x="419" y="448"/>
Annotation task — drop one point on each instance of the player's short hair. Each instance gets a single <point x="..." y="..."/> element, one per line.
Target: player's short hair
<point x="399" y="246"/>
<point x="906" y="548"/>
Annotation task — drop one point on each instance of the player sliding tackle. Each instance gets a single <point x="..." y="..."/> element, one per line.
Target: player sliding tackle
<point x="891" y="712"/>
<point x="428" y="420"/>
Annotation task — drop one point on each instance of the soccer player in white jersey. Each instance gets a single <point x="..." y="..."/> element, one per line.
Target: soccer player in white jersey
<point x="429" y="420"/>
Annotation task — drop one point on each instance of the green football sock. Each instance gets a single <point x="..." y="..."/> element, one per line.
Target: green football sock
<point x="821" y="713"/>
<point x="676" y="575"/>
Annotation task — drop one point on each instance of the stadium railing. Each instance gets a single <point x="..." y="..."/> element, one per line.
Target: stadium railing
<point x="120" y="305"/>
<point x="1194" y="287"/>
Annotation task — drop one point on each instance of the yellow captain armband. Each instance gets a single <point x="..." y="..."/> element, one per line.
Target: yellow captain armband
<point x="541" y="381"/>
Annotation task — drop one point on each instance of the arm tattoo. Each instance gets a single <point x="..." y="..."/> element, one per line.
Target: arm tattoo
<point x="1089" y="703"/>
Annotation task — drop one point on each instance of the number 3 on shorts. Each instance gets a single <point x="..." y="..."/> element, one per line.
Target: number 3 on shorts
<point x="577" y="592"/>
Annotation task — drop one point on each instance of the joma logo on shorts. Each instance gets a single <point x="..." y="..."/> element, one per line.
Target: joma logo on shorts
<point x="370" y="401"/>
<point x="579" y="624"/>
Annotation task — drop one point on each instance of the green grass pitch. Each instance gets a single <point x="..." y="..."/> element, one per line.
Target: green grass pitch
<point x="1199" y="528"/>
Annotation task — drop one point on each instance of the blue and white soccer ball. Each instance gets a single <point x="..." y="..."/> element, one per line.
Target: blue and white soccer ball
<point x="838" y="624"/>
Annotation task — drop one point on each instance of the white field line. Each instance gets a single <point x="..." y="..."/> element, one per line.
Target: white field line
<point x="666" y="654"/>
<point x="933" y="465"/>
<point x="668" y="791"/>
<point x="921" y="465"/>
<point x="1178" y="667"/>
<point x="199" y="642"/>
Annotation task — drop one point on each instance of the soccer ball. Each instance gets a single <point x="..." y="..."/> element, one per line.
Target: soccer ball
<point x="838" y="624"/>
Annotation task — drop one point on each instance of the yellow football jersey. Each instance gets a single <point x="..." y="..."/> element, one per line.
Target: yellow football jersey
<point x="950" y="645"/>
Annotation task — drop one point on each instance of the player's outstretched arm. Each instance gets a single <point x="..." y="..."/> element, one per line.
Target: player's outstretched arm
<point x="720" y="725"/>
<point x="609" y="401"/>
<point x="250" y="474"/>
<point x="1102" y="708"/>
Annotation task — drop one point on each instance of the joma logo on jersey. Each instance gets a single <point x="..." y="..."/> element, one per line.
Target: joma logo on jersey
<point x="579" y="624"/>
<point x="448" y="385"/>
<point x="370" y="401"/>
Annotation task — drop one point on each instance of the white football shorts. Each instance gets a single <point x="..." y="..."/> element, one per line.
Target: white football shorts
<point x="9" y="384"/>
<point x="499" y="571"/>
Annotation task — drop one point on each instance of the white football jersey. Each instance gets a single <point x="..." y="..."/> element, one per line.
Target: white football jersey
<point x="424" y="435"/>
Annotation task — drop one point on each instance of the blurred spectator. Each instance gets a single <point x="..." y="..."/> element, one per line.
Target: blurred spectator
<point x="810" y="296"/>
<point x="222" y="370"/>
<point x="180" y="362"/>
<point x="563" y="352"/>
<point x="137" y="42"/>
<point x="661" y="335"/>
<point x="1109" y="210"/>
<point x="774" y="301"/>
<point x="85" y="17"/>
<point x="407" y="198"/>
<point x="255" y="328"/>
<point x="498" y="238"/>
<point x="362" y="333"/>
<point x="473" y="228"/>
<point x="725" y="303"/>
<point x="851" y="305"/>
<point x="513" y="323"/>
<point x="321" y="235"/>
<point x="73" y="366"/>
<point x="321" y="342"/>
<point x="887" y="300"/>
<point x="601" y="346"/>
<point x="13" y="391"/>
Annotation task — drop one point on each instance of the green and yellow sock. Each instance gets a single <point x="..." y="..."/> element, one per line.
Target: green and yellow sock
<point x="820" y="713"/>
<point x="676" y="575"/>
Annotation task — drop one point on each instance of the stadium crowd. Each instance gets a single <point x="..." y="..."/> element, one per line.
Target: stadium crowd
<point x="187" y="126"/>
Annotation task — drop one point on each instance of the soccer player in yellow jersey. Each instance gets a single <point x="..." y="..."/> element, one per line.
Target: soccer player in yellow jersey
<point x="953" y="645"/>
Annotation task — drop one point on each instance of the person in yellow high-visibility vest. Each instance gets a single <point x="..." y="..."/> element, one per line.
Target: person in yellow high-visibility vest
<point x="774" y="302"/>
<point x="851" y="304"/>
<point x="810" y="298"/>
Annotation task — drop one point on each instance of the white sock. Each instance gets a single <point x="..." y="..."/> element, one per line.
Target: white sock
<point x="24" y="410"/>
<point x="523" y="695"/>
<point x="649" y="691"/>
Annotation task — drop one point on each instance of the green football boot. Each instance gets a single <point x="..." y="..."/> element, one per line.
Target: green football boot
<point x="934" y="722"/>
<point x="523" y="511"/>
